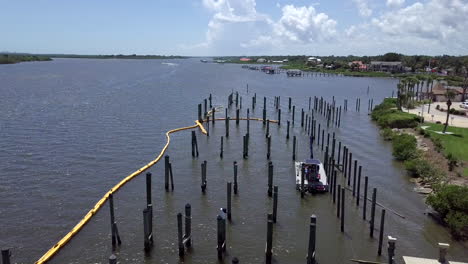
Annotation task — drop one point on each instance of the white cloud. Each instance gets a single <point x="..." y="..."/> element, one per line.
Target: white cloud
<point x="395" y="3"/>
<point x="363" y="8"/>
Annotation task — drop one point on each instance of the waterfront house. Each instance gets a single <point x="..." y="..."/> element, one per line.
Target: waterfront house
<point x="245" y="59"/>
<point x="386" y="66"/>
<point x="439" y="92"/>
<point x="357" y="66"/>
<point x="261" y="60"/>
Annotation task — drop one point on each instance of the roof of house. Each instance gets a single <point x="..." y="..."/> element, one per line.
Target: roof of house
<point x="441" y="89"/>
<point x="388" y="63"/>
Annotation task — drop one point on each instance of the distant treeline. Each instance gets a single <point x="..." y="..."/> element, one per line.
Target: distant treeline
<point x="15" y="58"/>
<point x="416" y="62"/>
<point x="119" y="56"/>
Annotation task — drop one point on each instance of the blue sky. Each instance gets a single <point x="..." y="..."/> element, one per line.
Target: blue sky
<point x="235" y="27"/>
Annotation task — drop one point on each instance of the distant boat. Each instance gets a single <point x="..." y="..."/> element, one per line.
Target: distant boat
<point x="204" y="61"/>
<point x="315" y="178"/>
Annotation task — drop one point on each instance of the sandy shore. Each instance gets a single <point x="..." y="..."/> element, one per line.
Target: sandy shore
<point x="435" y="115"/>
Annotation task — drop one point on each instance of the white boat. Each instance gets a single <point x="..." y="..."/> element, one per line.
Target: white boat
<point x="315" y="178"/>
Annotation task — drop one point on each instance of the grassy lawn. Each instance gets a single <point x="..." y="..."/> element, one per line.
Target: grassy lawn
<point x="457" y="144"/>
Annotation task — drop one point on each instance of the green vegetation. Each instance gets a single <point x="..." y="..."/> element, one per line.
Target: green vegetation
<point x="451" y="202"/>
<point x="11" y="58"/>
<point x="387" y="115"/>
<point x="404" y="147"/>
<point x="455" y="144"/>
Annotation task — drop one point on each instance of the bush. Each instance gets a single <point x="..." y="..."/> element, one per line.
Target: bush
<point x="404" y="147"/>
<point x="452" y="161"/>
<point x="386" y="114"/>
<point x="419" y="167"/>
<point x="437" y="144"/>
<point x="387" y="134"/>
<point x="451" y="202"/>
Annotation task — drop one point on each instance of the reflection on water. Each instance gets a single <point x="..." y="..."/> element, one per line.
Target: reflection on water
<point x="73" y="128"/>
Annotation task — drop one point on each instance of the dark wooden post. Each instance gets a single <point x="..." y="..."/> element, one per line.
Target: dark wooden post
<point x="205" y="113"/>
<point x="6" y="254"/>
<point x="364" y="207"/>
<point x="323" y="137"/>
<point x="312" y="237"/>
<point x="148" y="240"/>
<point x="294" y="148"/>
<point x="180" y="235"/>
<point x="287" y="130"/>
<point x="220" y="234"/>
<point x="372" y="221"/>
<point x="203" y="170"/>
<point x="359" y="186"/>
<point x="382" y="226"/>
<point x="229" y="197"/>
<point x="112" y="219"/>
<point x="268" y="146"/>
<point x="342" y="208"/>
<point x="221" y="153"/>
<point x="302" y="117"/>
<point x="338" y="205"/>
<point x="350" y="164"/>
<point x="279" y="117"/>
<point x="269" y="245"/>
<point x="112" y="260"/>
<point x="166" y="172"/>
<point x="188" y="225"/>
<point x="199" y="112"/>
<point x="235" y="177"/>
<point x="227" y="127"/>
<point x="391" y="249"/>
<point x="270" y="178"/>
<point x="275" y="203"/>
<point x="289" y="104"/>
<point x="293" y="113"/>
<point x="267" y="128"/>
<point x="264" y="110"/>
<point x="237" y="116"/>
<point x="354" y="178"/>
<point x="235" y="260"/>
<point x="339" y="153"/>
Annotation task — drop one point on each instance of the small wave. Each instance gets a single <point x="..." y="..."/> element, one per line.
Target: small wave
<point x="169" y="63"/>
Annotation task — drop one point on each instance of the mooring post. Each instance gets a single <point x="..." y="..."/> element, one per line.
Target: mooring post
<point x="279" y="117"/>
<point x="166" y="172"/>
<point x="350" y="164"/>
<point x="229" y="196"/>
<point x="293" y="113"/>
<point x="203" y="170"/>
<point x="342" y="208"/>
<point x="209" y="98"/>
<point x="391" y="249"/>
<point x="270" y="178"/>
<point x="213" y="115"/>
<point x="267" y="128"/>
<point x="294" y="148"/>
<point x="338" y="205"/>
<point x="354" y="178"/>
<point x="221" y="153"/>
<point x="323" y="137"/>
<point x="180" y="235"/>
<point x="312" y="237"/>
<point x="227" y="127"/>
<point x="235" y="260"/>
<point x="264" y="110"/>
<point x="382" y="226"/>
<point x="339" y="153"/>
<point x="194" y="145"/>
<point x="205" y="113"/>
<point x="188" y="225"/>
<point x="334" y="186"/>
<point x="235" y="176"/>
<point x="171" y="176"/>
<point x="199" y="112"/>
<point x="237" y="116"/>
<point x="289" y="104"/>
<point x="268" y="146"/>
<point x="359" y="186"/>
<point x="275" y="203"/>
<point x="248" y="121"/>
<point x="372" y="221"/>
<point x="269" y="245"/>
<point x="253" y="103"/>
<point x="333" y="146"/>
<point x="6" y="254"/>
<point x="287" y="130"/>
<point x="112" y="220"/>
<point x="302" y="182"/>
<point x="220" y="246"/>
<point x="112" y="260"/>
<point x="302" y="117"/>
<point x="364" y="207"/>
<point x="148" y="241"/>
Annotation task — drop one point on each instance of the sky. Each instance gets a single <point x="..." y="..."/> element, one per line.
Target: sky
<point x="235" y="27"/>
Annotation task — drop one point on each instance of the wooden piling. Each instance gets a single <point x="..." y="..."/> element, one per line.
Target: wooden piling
<point x="194" y="145"/>
<point x="112" y="260"/>
<point x="203" y="176"/>
<point x="270" y="178"/>
<point x="148" y="233"/>
<point x="112" y="219"/>
<point x="391" y="249"/>
<point x="221" y="152"/>
<point x="359" y="186"/>
<point x="235" y="260"/>
<point x="323" y="137"/>
<point x="188" y="225"/>
<point x="229" y="197"/>
<point x="220" y="234"/>
<point x="382" y="226"/>
<point x="275" y="203"/>
<point x="354" y="178"/>
<point x="372" y="220"/>
<point x="339" y="153"/>
<point x="267" y="128"/>
<point x="166" y="172"/>
<point x="235" y="176"/>
<point x="268" y="146"/>
<point x="294" y="148"/>
<point x="364" y="207"/>
<point x="213" y="115"/>
<point x="264" y="110"/>
<point x="227" y="127"/>
<point x="200" y="113"/>
<point x="171" y="176"/>
<point x="279" y="117"/>
<point x="302" y="117"/>
<point x="293" y="113"/>
<point x="269" y="245"/>
<point x="287" y="130"/>
<point x="350" y="164"/>
<point x="312" y="237"/>
<point x="237" y="116"/>
<point x="342" y="208"/>
<point x="289" y="103"/>
<point x="180" y="235"/>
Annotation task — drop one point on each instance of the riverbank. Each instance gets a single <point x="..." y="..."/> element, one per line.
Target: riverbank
<point x="16" y="58"/>
<point x="434" y="161"/>
<point x="119" y="56"/>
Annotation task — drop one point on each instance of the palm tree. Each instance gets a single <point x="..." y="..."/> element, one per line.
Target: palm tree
<point x="450" y="94"/>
